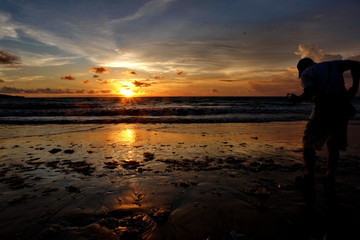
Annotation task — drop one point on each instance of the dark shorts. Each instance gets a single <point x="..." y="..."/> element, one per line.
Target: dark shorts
<point x="326" y="129"/>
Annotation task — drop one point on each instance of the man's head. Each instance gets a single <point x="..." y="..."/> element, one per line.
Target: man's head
<point x="304" y="64"/>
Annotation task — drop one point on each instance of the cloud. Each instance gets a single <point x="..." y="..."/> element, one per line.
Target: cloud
<point x="179" y="73"/>
<point x="150" y="8"/>
<point x="106" y="91"/>
<point x="141" y="84"/>
<point x="355" y="58"/>
<point x="99" y="70"/>
<point x="214" y="90"/>
<point x="11" y="29"/>
<point x="103" y="81"/>
<point x="7" y="28"/>
<point x="129" y="72"/>
<point x="29" y="78"/>
<point x="2" y="80"/>
<point x="79" y="91"/>
<point x="313" y="52"/>
<point x="69" y="77"/>
<point x="8" y="58"/>
<point x="275" y="85"/>
<point x="159" y="77"/>
<point x="230" y="81"/>
<point x="12" y="90"/>
<point x="86" y="81"/>
<point x="6" y="89"/>
<point x="45" y="60"/>
<point x="95" y="76"/>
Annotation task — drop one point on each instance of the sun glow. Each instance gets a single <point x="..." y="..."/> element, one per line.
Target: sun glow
<point x="127" y="91"/>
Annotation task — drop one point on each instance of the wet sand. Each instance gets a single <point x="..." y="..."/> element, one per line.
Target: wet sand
<point x="170" y="181"/>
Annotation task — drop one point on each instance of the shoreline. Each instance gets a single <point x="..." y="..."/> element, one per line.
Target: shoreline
<point x="169" y="181"/>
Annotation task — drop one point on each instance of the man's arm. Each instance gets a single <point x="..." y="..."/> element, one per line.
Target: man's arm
<point x="354" y="67"/>
<point x="305" y="96"/>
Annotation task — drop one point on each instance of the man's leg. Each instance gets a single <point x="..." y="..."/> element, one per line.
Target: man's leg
<point x="309" y="155"/>
<point x="336" y="142"/>
<point x="311" y="140"/>
<point x="307" y="181"/>
<point x="333" y="160"/>
<point x="309" y="161"/>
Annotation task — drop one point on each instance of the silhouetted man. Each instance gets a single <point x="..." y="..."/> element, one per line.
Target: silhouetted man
<point x="324" y="84"/>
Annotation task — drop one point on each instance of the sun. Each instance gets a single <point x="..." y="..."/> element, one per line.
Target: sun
<point x="127" y="91"/>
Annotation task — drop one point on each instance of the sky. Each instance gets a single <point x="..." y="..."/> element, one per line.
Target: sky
<point x="169" y="47"/>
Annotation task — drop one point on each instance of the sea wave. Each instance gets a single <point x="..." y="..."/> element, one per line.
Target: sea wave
<point x="151" y="110"/>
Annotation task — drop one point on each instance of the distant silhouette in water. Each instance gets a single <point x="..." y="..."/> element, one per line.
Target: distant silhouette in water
<point x="324" y="84"/>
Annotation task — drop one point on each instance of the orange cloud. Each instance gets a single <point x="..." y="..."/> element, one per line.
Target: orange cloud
<point x="141" y="84"/>
<point x="100" y="70"/>
<point x="1" y="80"/>
<point x="179" y="73"/>
<point x="102" y="81"/>
<point x="95" y="76"/>
<point x="69" y="77"/>
<point x="277" y="84"/>
<point x="86" y="81"/>
<point x="159" y="77"/>
<point x="130" y="72"/>
<point x="105" y="91"/>
<point x="229" y="81"/>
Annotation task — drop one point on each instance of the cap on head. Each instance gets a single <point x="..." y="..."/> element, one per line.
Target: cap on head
<point x="304" y="64"/>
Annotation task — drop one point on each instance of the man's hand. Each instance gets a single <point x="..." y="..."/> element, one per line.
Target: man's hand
<point x="352" y="92"/>
<point x="293" y="98"/>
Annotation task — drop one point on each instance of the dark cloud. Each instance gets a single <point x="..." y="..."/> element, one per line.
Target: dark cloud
<point x="8" y="58"/>
<point x="95" y="76"/>
<point x="229" y="81"/>
<point x="179" y="73"/>
<point x="86" y="81"/>
<point x="2" y="80"/>
<point x="6" y="89"/>
<point x="107" y="91"/>
<point x="9" y="90"/>
<point x="104" y="91"/>
<point x="141" y="84"/>
<point x="214" y="90"/>
<point x="130" y="72"/>
<point x="355" y="58"/>
<point x="69" y="77"/>
<point x="100" y="70"/>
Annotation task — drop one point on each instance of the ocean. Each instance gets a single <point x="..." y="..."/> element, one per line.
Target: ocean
<point x="153" y="110"/>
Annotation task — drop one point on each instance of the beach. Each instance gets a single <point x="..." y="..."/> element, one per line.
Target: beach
<point x="170" y="181"/>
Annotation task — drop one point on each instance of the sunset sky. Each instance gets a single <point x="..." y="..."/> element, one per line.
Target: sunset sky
<point x="169" y="47"/>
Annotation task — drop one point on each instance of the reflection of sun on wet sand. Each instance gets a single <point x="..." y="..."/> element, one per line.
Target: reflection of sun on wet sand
<point x="168" y="181"/>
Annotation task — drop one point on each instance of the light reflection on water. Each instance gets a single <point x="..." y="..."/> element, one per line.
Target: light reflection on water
<point x="128" y="136"/>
